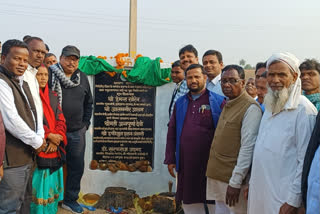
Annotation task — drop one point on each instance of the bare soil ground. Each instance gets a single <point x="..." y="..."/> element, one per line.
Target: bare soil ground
<point x="99" y="211"/>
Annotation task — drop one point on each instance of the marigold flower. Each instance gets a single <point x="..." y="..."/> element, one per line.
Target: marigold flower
<point x="124" y="73"/>
<point x="139" y="55"/>
<point x="119" y="60"/>
<point x="111" y="73"/>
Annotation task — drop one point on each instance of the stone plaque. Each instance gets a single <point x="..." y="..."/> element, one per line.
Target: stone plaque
<point x="123" y="123"/>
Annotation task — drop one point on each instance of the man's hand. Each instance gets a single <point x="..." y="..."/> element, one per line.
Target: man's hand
<point x="1" y="172"/>
<point x="51" y="148"/>
<point x="170" y="169"/>
<point x="246" y="191"/>
<point x="288" y="209"/>
<point x="55" y="138"/>
<point x="42" y="147"/>
<point x="232" y="196"/>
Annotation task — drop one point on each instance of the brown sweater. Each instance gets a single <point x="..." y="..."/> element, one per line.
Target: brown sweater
<point x="17" y="152"/>
<point x="227" y="139"/>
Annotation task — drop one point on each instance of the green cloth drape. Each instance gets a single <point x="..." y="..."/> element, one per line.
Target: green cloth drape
<point x="148" y="72"/>
<point x="145" y="71"/>
<point x="92" y="65"/>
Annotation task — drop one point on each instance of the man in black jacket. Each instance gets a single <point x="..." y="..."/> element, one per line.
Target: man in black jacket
<point x="73" y="89"/>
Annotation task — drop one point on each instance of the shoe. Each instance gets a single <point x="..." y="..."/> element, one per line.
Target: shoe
<point x="73" y="206"/>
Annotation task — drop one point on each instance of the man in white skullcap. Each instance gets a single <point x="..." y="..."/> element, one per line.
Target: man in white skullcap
<point x="284" y="133"/>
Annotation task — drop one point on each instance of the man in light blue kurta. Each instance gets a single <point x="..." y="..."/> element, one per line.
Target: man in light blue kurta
<point x="213" y="64"/>
<point x="313" y="194"/>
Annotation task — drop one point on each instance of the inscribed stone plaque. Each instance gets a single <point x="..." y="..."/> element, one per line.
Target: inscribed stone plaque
<point x="123" y="121"/>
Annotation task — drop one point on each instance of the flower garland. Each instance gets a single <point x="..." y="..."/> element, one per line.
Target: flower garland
<point x="102" y="57"/>
<point x="120" y="61"/>
<point x="139" y="55"/>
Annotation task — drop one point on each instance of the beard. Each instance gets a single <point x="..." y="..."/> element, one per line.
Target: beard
<point x="275" y="101"/>
<point x="196" y="90"/>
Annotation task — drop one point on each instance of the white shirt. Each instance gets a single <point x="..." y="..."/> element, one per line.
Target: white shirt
<point x="12" y="120"/>
<point x="215" y="85"/>
<point x="180" y="90"/>
<point x="249" y="130"/>
<point x="278" y="156"/>
<point x="30" y="77"/>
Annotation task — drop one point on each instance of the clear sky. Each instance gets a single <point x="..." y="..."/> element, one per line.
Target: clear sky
<point x="248" y="29"/>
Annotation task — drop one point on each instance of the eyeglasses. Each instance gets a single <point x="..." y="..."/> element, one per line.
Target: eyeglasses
<point x="231" y="81"/>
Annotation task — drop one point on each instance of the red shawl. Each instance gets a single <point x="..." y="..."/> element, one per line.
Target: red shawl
<point x="56" y="123"/>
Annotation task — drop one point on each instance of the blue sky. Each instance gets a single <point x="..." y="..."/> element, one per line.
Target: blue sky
<point x="248" y="29"/>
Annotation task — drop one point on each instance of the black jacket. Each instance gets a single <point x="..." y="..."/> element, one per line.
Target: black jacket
<point x="17" y="153"/>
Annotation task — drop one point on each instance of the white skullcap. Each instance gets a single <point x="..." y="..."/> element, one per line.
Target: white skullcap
<point x="288" y="58"/>
<point x="293" y="63"/>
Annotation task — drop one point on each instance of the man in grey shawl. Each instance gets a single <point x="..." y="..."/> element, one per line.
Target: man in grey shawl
<point x="74" y="93"/>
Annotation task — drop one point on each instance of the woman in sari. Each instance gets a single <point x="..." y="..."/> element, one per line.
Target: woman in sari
<point x="47" y="182"/>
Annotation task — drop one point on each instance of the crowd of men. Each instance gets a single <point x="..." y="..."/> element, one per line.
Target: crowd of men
<point x="242" y="146"/>
<point x="236" y="146"/>
<point x="29" y="126"/>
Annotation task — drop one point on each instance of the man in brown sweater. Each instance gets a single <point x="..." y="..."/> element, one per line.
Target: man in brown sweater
<point x="232" y="146"/>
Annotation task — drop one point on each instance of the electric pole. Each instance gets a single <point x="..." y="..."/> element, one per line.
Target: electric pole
<point x="133" y="29"/>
